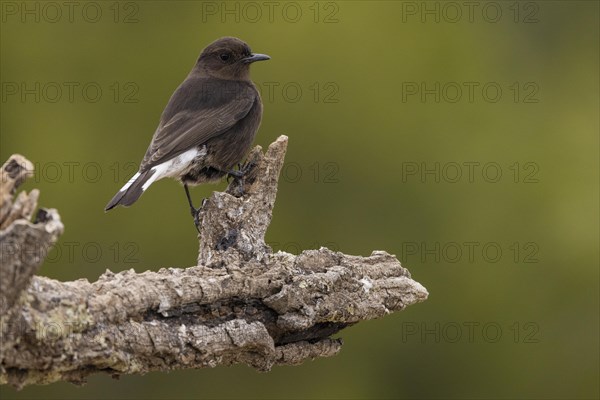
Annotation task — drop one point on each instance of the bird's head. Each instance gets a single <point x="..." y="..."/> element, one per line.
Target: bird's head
<point x="228" y="58"/>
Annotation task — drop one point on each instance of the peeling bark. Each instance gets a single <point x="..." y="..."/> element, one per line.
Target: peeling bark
<point x="242" y="303"/>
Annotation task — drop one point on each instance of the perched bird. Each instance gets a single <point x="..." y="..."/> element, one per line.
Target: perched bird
<point x="207" y="126"/>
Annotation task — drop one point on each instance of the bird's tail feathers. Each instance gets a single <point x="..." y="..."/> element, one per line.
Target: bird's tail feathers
<point x="132" y="190"/>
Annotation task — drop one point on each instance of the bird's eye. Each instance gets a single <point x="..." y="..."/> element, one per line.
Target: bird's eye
<point x="225" y="56"/>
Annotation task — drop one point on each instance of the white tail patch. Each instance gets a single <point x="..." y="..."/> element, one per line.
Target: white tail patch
<point x="174" y="167"/>
<point x="130" y="182"/>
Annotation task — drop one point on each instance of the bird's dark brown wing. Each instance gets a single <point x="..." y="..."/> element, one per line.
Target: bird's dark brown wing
<point x="194" y="115"/>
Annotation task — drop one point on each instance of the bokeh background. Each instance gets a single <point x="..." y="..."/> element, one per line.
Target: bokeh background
<point x="462" y="138"/>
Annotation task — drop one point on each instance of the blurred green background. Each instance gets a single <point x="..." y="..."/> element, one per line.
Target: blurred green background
<point x="462" y="138"/>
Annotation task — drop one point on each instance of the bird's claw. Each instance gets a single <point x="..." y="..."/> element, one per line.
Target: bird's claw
<point x="239" y="174"/>
<point x="193" y="210"/>
<point x="196" y="214"/>
<point x="246" y="167"/>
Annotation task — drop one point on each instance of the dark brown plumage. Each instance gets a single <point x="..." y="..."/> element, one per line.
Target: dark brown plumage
<point x="208" y="124"/>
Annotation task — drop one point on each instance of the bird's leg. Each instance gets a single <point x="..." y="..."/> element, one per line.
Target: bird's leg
<point x="195" y="211"/>
<point x="240" y="174"/>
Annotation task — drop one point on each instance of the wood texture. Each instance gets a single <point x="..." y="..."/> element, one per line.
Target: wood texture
<point x="242" y="303"/>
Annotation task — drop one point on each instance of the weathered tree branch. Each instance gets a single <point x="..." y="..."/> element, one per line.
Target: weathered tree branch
<point x="23" y="245"/>
<point x="241" y="304"/>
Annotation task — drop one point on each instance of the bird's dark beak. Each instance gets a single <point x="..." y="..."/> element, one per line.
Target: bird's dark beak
<point x="256" y="57"/>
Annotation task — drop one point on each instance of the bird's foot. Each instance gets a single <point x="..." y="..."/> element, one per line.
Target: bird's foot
<point x="196" y="214"/>
<point x="240" y="174"/>
<point x="246" y="167"/>
<point x="193" y="210"/>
